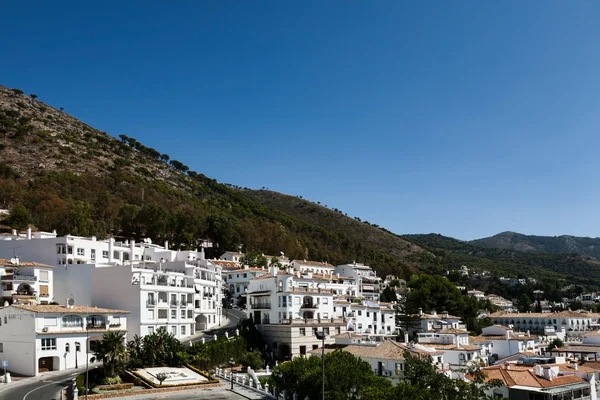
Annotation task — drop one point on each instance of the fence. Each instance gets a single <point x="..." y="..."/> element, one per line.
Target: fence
<point x="249" y="382"/>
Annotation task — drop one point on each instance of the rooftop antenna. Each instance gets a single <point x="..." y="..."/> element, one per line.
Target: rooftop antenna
<point x="14" y="249"/>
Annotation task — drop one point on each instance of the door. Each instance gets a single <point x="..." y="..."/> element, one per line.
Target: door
<point x="379" y="368"/>
<point x="45" y="364"/>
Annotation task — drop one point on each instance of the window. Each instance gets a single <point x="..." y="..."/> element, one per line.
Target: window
<point x="182" y="313"/>
<point x="67" y="348"/>
<point x="325" y="300"/>
<point x="173" y="313"/>
<point x="245" y="275"/>
<point x="326" y="331"/>
<point x="80" y="252"/>
<point x="302" y="350"/>
<point x="5" y="320"/>
<point x="359" y="313"/>
<point x="43" y="276"/>
<point x="70" y="250"/>
<point x="315" y="346"/>
<point x="183" y="330"/>
<point x="274" y="345"/>
<point x="338" y="330"/>
<point x="43" y="290"/>
<point x="1" y="347"/>
<point x="104" y="253"/>
<point x="93" y="254"/>
<point x="58" y="249"/>
<point x="229" y="276"/>
<point x="368" y="314"/>
<point x="72" y="321"/>
<point x="174" y="330"/>
<point x="302" y="331"/>
<point x="314" y="331"/>
<point x="150" y="330"/>
<point x="150" y="314"/>
<point x="48" y="344"/>
<point x="190" y="314"/>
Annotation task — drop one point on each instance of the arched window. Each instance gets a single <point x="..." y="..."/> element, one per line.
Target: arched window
<point x="280" y="285"/>
<point x="71" y="321"/>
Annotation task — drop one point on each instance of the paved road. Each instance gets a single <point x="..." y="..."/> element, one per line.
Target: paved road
<point x="220" y="393"/>
<point x="42" y="388"/>
<point x="233" y="314"/>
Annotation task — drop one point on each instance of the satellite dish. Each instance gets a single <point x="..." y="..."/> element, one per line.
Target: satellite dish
<point x="71" y="302"/>
<point x="14" y="260"/>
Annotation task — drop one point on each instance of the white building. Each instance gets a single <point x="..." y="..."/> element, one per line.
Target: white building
<point x="182" y="294"/>
<point x="535" y="322"/>
<point x="238" y="280"/>
<point x="369" y="284"/>
<point x="38" y="338"/>
<point x="315" y="267"/>
<point x="289" y="312"/>
<point x="437" y="322"/>
<point x="501" y="341"/>
<point x="26" y="282"/>
<point x="367" y="317"/>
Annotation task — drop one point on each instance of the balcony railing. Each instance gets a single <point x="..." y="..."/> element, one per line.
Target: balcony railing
<point x="174" y="303"/>
<point x="26" y="294"/>
<point x="151" y="303"/>
<point x="261" y="305"/>
<point x="19" y="277"/>
<point x="310" y="290"/>
<point x="310" y="305"/>
<point x="92" y="327"/>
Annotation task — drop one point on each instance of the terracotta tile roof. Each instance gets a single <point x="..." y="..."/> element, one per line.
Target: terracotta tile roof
<point x="7" y="263"/>
<point x="452" y="346"/>
<point x="387" y="350"/>
<point x="57" y="309"/>
<point x="266" y="276"/>
<point x="454" y="330"/>
<point x="313" y="263"/>
<point x="521" y="376"/>
<point x="436" y="316"/>
<point x="512" y="336"/>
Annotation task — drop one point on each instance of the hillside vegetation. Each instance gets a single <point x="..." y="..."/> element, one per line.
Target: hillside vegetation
<point x="451" y="254"/>
<point x="60" y="173"/>
<point x="585" y="246"/>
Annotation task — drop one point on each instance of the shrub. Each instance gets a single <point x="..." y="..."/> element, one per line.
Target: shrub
<point x="161" y="377"/>
<point x="112" y="381"/>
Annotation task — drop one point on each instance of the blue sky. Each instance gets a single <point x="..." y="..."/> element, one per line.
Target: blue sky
<point x="465" y="118"/>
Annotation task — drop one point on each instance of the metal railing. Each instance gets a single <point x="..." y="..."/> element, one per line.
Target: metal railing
<point x="19" y="277"/>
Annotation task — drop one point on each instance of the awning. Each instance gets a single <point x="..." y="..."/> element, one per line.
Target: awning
<point x="369" y="288"/>
<point x="260" y="293"/>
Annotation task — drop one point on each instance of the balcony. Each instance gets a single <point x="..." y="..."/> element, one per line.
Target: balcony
<point x="95" y="327"/>
<point x="19" y="278"/>
<point x="150" y="303"/>
<point x="25" y="295"/>
<point x="174" y="303"/>
<point x="309" y="306"/>
<point x="257" y="306"/>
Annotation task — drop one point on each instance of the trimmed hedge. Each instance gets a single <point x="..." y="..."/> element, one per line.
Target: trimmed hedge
<point x="119" y="386"/>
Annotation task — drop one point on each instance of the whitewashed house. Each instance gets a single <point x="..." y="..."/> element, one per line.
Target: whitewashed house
<point x="39" y="338"/>
<point x="26" y="282"/>
<point x="501" y="341"/>
<point x="238" y="280"/>
<point x="369" y="284"/>
<point x="536" y="322"/>
<point x="289" y="312"/>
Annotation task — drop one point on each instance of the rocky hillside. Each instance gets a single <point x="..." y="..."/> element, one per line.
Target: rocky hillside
<point x="585" y="246"/>
<point x="71" y="177"/>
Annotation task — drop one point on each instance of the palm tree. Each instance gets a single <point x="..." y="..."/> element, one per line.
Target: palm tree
<point x="112" y="352"/>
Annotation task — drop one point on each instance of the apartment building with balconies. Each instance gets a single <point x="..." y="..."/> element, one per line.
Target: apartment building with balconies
<point x="238" y="280"/>
<point x="536" y="322"/>
<point x="26" y="282"/>
<point x="367" y="317"/>
<point x="39" y="338"/>
<point x="369" y="284"/>
<point x="289" y="310"/>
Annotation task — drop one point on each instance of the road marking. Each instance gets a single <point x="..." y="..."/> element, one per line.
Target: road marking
<point x="38" y="388"/>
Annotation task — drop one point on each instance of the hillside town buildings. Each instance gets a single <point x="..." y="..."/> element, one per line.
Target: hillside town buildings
<point x="40" y="338"/>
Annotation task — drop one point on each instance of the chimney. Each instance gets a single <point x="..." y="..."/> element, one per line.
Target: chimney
<point x="28" y="233"/>
<point x="14" y="232"/>
<point x="575" y="365"/>
<point x="420" y="312"/>
<point x="166" y="245"/>
<point x="507" y="366"/>
<point x="93" y="238"/>
<point x="131" y="251"/>
<point x="202" y="255"/>
<point x="54" y="232"/>
<point x="507" y="335"/>
<point x="111" y="243"/>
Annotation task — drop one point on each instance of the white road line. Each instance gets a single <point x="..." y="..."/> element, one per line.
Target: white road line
<point x="38" y="388"/>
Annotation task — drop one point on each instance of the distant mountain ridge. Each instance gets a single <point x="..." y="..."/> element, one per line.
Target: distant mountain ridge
<point x="565" y="244"/>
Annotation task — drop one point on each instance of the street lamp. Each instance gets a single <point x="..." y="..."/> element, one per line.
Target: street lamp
<point x="77" y="350"/>
<point x="321" y="337"/>
<point x="232" y="364"/>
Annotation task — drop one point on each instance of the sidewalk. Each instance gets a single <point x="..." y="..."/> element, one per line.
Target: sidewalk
<point x="194" y="338"/>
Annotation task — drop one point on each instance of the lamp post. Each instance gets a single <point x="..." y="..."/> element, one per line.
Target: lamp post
<point x="232" y="364"/>
<point x="321" y="336"/>
<point x="77" y="350"/>
<point x="87" y="361"/>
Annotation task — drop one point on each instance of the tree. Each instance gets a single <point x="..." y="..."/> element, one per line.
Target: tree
<point x="388" y="294"/>
<point x="62" y="109"/>
<point x="18" y="218"/>
<point x="434" y="293"/>
<point x="33" y="96"/>
<point x="16" y="91"/>
<point x="405" y="320"/>
<point x="164" y="158"/>
<point x="524" y="304"/>
<point x="343" y="371"/>
<point x="161" y="377"/>
<point x="255" y="260"/>
<point x="123" y="138"/>
<point x="555" y="344"/>
<point x="112" y="351"/>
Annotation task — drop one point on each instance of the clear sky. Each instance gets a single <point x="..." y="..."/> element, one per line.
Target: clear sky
<point x="465" y="118"/>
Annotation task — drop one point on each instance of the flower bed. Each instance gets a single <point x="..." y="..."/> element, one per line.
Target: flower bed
<point x="151" y="391"/>
<point x="210" y="380"/>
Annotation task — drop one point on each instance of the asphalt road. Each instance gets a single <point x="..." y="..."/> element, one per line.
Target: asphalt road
<point x="39" y="389"/>
<point x="234" y="315"/>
